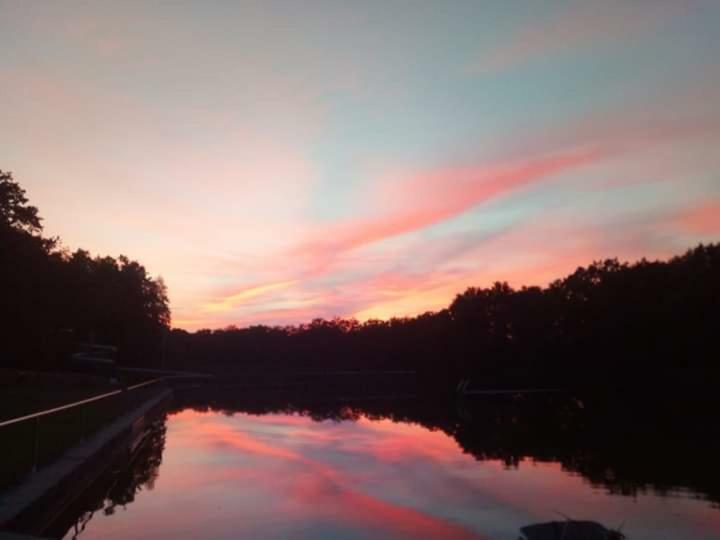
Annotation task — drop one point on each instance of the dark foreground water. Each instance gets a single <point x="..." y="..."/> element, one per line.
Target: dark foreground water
<point x="227" y="475"/>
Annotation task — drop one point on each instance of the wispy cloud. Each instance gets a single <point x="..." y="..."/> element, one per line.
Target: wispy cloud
<point x="232" y="301"/>
<point x="404" y="205"/>
<point x="430" y="197"/>
<point x="436" y="196"/>
<point x="223" y="178"/>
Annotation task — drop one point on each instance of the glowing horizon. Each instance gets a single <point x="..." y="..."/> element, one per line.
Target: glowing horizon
<point x="276" y="163"/>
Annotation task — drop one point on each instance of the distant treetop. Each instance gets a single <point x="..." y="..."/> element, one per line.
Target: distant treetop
<point x="15" y="212"/>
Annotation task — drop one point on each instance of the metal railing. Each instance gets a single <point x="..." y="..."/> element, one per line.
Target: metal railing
<point x="94" y="413"/>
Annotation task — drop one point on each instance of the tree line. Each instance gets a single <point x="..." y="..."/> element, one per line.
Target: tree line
<point x="610" y="320"/>
<point x="605" y="322"/>
<point x="54" y="299"/>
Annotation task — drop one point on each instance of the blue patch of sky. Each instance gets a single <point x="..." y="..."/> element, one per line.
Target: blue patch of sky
<point x="429" y="120"/>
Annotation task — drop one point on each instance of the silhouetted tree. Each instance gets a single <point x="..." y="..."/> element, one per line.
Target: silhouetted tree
<point x="609" y="322"/>
<point x="49" y="294"/>
<point x="15" y="212"/>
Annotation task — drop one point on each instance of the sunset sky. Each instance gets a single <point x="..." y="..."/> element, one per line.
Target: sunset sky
<point x="279" y="161"/>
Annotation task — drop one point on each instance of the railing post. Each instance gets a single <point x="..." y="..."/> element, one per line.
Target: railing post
<point x="36" y="450"/>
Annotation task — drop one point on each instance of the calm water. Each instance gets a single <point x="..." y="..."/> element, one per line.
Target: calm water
<point x="209" y="475"/>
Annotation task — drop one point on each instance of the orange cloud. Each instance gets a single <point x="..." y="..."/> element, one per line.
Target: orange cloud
<point x="402" y="296"/>
<point x="230" y="302"/>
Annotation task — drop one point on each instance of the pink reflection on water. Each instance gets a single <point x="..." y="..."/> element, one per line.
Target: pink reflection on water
<point x="310" y="489"/>
<point x="287" y="476"/>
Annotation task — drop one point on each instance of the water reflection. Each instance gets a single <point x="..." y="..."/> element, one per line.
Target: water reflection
<point x="501" y="468"/>
<point x="118" y="488"/>
<point x="628" y="445"/>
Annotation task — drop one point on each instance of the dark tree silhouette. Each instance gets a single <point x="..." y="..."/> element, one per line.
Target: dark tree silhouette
<point x="651" y="322"/>
<point x="53" y="299"/>
<point x="14" y="209"/>
<point x="648" y="322"/>
<point x="627" y="442"/>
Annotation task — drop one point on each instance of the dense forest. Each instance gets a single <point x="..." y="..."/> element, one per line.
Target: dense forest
<point x="53" y="300"/>
<point x="604" y="322"/>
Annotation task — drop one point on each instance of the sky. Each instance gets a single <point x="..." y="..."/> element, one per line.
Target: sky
<point x="280" y="161"/>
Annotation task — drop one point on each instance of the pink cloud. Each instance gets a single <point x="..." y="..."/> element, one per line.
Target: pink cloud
<point x="519" y="255"/>
<point x="702" y="220"/>
<point x="438" y="196"/>
<point x="431" y="197"/>
<point x="634" y="140"/>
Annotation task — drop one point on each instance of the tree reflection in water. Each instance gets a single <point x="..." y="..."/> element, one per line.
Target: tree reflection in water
<point x="626" y="444"/>
<point x="612" y="443"/>
<point x="119" y="486"/>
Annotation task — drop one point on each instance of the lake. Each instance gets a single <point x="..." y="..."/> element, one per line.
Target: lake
<point x="351" y="472"/>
